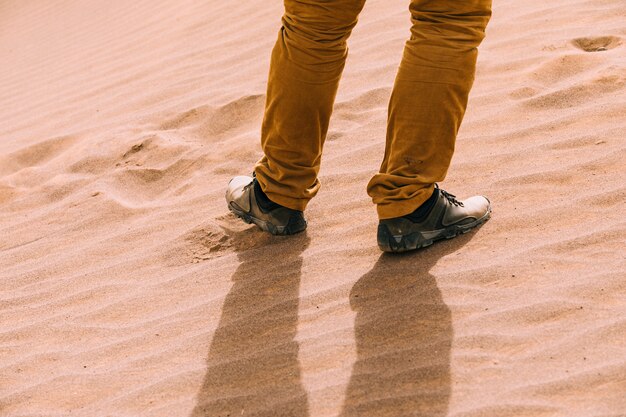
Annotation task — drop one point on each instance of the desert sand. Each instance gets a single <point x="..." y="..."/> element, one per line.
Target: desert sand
<point x="128" y="289"/>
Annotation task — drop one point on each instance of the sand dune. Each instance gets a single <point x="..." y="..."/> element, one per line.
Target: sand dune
<point x="127" y="289"/>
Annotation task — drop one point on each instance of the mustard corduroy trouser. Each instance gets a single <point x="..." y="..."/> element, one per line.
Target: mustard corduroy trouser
<point x="426" y="107"/>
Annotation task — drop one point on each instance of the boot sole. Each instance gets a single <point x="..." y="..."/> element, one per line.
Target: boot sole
<point x="387" y="242"/>
<point x="265" y="225"/>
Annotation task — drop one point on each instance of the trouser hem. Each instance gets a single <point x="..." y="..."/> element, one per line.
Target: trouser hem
<point x="285" y="201"/>
<point x="393" y="209"/>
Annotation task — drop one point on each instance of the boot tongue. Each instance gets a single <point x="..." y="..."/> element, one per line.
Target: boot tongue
<point x="422" y="212"/>
<point x="265" y="204"/>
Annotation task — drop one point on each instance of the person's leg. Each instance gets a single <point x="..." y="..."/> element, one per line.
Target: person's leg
<point x="306" y="65"/>
<point x="428" y="102"/>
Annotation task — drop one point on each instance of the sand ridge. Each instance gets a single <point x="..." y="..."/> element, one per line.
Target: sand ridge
<point x="127" y="289"/>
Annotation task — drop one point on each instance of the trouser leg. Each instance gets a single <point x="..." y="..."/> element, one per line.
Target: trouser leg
<point x="306" y="65"/>
<point x="428" y="101"/>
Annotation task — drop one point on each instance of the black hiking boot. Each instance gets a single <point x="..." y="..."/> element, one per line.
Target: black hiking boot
<point x="247" y="201"/>
<point x="447" y="218"/>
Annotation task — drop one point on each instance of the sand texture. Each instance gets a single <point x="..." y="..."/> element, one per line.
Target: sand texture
<point x="128" y="289"/>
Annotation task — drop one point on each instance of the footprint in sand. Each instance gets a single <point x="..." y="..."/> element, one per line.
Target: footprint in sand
<point x="217" y="238"/>
<point x="206" y="243"/>
<point x="597" y="44"/>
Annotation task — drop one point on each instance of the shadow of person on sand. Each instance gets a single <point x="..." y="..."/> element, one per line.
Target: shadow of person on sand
<point x="403" y="333"/>
<point x="252" y="365"/>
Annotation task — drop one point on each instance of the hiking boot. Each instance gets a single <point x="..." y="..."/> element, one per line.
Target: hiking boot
<point x="247" y="201"/>
<point x="446" y="218"/>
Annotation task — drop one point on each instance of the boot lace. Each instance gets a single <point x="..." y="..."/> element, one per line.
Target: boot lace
<point x="450" y="197"/>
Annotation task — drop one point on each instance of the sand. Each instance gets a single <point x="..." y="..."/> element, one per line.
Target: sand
<point x="127" y="288"/>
